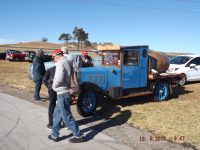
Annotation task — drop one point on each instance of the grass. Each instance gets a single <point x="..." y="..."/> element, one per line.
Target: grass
<point x="30" y="46"/>
<point x="180" y="116"/>
<point x="177" y="117"/>
<point x="15" y="74"/>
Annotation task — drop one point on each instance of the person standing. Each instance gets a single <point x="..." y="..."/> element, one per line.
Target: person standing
<point x="87" y="60"/>
<point x="66" y="54"/>
<point x="38" y="72"/>
<point x="48" y="81"/>
<point x="61" y="85"/>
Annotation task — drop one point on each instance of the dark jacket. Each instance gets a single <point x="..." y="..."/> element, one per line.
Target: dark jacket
<point x="38" y="68"/>
<point x="87" y="62"/>
<point x="48" y="77"/>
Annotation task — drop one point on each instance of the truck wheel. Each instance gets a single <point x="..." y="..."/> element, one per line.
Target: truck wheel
<point x="182" y="81"/>
<point x="161" y="92"/>
<point x="87" y="102"/>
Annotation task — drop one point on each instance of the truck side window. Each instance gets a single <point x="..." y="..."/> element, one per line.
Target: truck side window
<point x="111" y="58"/>
<point x="131" y="58"/>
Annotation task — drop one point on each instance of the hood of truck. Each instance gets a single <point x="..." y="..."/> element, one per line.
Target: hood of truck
<point x="102" y="76"/>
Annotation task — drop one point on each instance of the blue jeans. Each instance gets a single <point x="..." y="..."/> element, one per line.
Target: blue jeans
<point x="38" y="84"/>
<point x="62" y="111"/>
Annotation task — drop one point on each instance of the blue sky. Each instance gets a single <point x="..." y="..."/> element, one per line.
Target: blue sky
<point x="165" y="25"/>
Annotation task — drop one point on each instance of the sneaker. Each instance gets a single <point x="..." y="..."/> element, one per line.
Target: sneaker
<point x="55" y="139"/>
<point x="77" y="139"/>
<point x="49" y="127"/>
<point x="36" y="100"/>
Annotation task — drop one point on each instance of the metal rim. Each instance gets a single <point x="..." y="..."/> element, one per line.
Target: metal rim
<point x="162" y="91"/>
<point x="89" y="102"/>
<point x="182" y="81"/>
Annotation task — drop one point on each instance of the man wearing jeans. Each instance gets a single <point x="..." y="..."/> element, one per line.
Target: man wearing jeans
<point x="61" y="85"/>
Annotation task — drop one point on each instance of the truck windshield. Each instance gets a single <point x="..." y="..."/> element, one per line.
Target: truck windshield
<point x="180" y="60"/>
<point x="111" y="58"/>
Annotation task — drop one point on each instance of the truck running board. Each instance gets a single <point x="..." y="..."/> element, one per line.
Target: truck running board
<point x="135" y="94"/>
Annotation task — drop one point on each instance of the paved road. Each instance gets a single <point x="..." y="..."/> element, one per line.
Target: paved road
<point x="23" y="126"/>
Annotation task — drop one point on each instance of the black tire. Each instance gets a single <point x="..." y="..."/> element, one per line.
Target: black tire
<point x="183" y="81"/>
<point x="87" y="102"/>
<point x="15" y="59"/>
<point x="161" y="91"/>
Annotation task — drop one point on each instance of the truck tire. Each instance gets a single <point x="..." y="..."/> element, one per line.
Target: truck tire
<point x="87" y="102"/>
<point x="161" y="91"/>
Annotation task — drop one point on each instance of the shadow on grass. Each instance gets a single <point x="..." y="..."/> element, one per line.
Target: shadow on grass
<point x="179" y="90"/>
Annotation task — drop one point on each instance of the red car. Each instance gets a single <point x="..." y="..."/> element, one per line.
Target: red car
<point x="16" y="56"/>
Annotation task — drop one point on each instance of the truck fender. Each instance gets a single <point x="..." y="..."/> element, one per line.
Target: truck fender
<point x="88" y="85"/>
<point x="161" y="80"/>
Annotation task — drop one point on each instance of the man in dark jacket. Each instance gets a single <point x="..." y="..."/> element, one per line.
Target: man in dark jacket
<point x="48" y="81"/>
<point x="38" y="72"/>
<point x="87" y="60"/>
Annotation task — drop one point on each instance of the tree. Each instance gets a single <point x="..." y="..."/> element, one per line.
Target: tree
<point x="65" y="37"/>
<point x="80" y="35"/>
<point x="88" y="43"/>
<point x="44" y="39"/>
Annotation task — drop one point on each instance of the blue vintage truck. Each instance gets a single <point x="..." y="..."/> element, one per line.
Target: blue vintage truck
<point x="124" y="72"/>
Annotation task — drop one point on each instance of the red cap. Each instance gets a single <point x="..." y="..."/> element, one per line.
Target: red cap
<point x="57" y="52"/>
<point x="84" y="53"/>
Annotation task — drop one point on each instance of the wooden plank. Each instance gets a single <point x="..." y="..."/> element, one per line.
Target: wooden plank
<point x="108" y="47"/>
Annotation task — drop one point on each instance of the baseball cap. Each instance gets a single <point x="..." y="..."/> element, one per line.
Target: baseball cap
<point x="84" y="53"/>
<point x="57" y="52"/>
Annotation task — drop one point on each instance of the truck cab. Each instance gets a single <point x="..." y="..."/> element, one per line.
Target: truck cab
<point x="124" y="72"/>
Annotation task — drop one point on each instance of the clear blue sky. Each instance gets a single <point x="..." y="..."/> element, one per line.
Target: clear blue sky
<point x="165" y="25"/>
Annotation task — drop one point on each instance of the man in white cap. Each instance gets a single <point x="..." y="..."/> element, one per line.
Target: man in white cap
<point x="66" y="54"/>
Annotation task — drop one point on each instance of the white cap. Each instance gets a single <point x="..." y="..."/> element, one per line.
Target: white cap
<point x="64" y="49"/>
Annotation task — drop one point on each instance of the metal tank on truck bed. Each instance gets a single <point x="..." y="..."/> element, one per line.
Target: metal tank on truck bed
<point x="125" y="71"/>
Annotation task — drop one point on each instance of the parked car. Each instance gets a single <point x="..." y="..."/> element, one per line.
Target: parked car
<point x="8" y="51"/>
<point x="170" y="57"/>
<point x="15" y="56"/>
<point x="2" y="55"/>
<point x="188" y="65"/>
<point x="74" y="54"/>
<point x="46" y="64"/>
<point x="29" y="55"/>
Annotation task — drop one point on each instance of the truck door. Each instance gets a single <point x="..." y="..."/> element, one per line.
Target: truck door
<point x="193" y="74"/>
<point x="134" y="67"/>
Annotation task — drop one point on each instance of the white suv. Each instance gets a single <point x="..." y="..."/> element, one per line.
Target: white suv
<point x="188" y="65"/>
